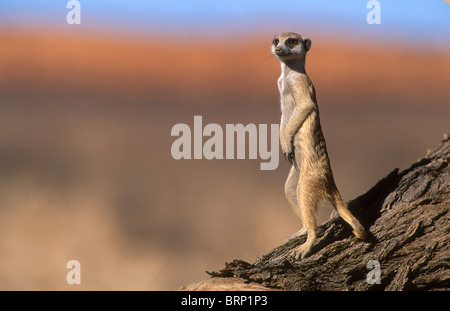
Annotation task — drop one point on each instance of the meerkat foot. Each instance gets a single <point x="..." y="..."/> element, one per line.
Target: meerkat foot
<point x="301" y="251"/>
<point x="300" y="232"/>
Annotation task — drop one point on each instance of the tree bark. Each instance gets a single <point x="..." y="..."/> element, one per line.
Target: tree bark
<point x="407" y="215"/>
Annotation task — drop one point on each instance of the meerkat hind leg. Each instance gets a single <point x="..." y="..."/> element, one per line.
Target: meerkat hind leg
<point x="303" y="250"/>
<point x="290" y="190"/>
<point x="308" y="205"/>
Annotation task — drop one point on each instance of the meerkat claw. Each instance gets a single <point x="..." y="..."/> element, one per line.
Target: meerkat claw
<point x="300" y="252"/>
<point x="290" y="157"/>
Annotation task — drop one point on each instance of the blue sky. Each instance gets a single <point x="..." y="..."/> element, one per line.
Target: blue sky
<point x="410" y="20"/>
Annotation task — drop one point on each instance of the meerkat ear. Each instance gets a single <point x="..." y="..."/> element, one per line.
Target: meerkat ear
<point x="307" y="43"/>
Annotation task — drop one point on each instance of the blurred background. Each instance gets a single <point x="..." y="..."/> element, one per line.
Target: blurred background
<point x="86" y="113"/>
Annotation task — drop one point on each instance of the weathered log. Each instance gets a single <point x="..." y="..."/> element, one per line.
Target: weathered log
<point x="408" y="216"/>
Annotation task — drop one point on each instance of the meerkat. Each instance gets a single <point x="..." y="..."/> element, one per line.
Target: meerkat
<point x="310" y="179"/>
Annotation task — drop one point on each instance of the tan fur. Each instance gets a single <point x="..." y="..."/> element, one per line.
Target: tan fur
<point x="301" y="133"/>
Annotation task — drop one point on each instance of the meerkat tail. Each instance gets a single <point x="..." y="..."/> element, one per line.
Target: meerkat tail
<point x="341" y="208"/>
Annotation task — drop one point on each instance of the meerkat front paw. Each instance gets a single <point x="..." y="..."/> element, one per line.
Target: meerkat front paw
<point x="287" y="147"/>
<point x="290" y="157"/>
<point x="289" y="153"/>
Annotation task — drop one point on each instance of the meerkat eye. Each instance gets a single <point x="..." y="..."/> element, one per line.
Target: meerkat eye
<point x="291" y="42"/>
<point x="275" y="41"/>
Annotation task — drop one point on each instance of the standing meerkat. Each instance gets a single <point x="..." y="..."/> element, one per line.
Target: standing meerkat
<point x="300" y="130"/>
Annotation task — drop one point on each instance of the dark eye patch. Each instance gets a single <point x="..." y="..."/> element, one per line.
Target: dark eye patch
<point x="275" y="41"/>
<point x="291" y="42"/>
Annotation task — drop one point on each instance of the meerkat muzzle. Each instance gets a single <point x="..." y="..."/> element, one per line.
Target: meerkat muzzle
<point x="281" y="52"/>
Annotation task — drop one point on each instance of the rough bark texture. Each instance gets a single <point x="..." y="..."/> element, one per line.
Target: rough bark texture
<point x="408" y="216"/>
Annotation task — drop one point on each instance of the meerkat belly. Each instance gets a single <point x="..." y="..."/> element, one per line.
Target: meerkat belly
<point x="287" y="106"/>
<point x="312" y="144"/>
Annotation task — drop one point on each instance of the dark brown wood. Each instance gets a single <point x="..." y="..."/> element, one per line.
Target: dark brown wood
<point x="407" y="215"/>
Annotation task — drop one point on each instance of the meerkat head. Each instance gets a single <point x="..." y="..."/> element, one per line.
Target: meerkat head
<point x="290" y="46"/>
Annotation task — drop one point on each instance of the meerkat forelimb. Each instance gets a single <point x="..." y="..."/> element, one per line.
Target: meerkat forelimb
<point x="300" y="131"/>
